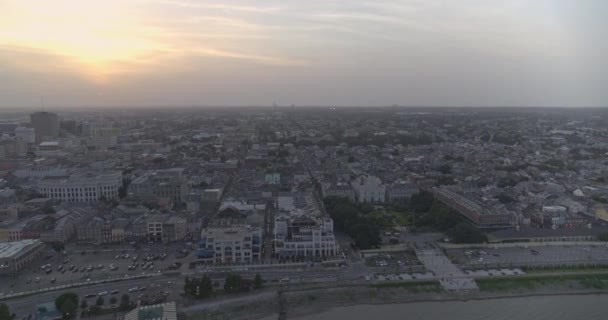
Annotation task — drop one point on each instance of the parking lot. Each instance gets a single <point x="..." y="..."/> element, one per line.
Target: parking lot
<point x="84" y="264"/>
<point x="531" y="255"/>
<point x="396" y="259"/>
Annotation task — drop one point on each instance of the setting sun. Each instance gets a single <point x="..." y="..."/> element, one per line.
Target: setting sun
<point x="95" y="39"/>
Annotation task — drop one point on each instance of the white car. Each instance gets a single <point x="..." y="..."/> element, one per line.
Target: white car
<point x="103" y="293"/>
<point x="133" y="289"/>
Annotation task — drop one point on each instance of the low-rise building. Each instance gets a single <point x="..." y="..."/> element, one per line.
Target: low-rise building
<point x="230" y="244"/>
<point x="95" y="231"/>
<point x="340" y="190"/>
<point x="66" y="225"/>
<point x="161" y="184"/>
<point x="28" y="228"/>
<point x="163" y="311"/>
<point x="17" y="255"/>
<point x="82" y="187"/>
<point x="401" y="191"/>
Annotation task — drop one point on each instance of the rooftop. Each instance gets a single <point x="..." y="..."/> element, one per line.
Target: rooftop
<point x="10" y="249"/>
<point x="164" y="311"/>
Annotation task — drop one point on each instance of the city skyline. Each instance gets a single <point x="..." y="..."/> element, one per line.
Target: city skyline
<point x="347" y="53"/>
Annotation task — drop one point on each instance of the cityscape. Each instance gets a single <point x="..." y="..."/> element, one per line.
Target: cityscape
<point x="303" y="160"/>
<point x="230" y="212"/>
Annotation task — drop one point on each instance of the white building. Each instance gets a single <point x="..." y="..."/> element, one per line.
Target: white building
<point x="554" y="209"/>
<point x="369" y="189"/>
<point x="27" y="135"/>
<point x="304" y="237"/>
<point x="230" y="244"/>
<point x="301" y="230"/>
<point x="40" y="172"/>
<point x="87" y="187"/>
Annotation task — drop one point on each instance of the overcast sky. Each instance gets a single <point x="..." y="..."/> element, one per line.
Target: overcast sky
<point x="306" y="52"/>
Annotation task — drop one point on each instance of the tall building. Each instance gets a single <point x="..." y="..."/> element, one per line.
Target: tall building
<point x="46" y="125"/>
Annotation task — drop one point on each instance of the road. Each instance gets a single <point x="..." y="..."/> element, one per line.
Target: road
<point x="25" y="305"/>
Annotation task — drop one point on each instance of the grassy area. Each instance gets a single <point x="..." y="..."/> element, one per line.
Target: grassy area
<point x="390" y="218"/>
<point x="505" y="284"/>
<point x="413" y="287"/>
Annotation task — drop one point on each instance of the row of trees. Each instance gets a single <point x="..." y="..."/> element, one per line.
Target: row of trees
<point x="201" y="288"/>
<point x="354" y="221"/>
<point x="67" y="304"/>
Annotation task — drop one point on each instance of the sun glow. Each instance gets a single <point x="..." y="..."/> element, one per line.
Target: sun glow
<point x="95" y="38"/>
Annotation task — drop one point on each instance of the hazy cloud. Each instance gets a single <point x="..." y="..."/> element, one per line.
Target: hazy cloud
<point x="344" y="52"/>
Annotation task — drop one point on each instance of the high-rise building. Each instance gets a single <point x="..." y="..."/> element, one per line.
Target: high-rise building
<point x="46" y="125"/>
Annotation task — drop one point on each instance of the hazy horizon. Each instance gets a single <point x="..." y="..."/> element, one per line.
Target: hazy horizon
<point x="237" y="53"/>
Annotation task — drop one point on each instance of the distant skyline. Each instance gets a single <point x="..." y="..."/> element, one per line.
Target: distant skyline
<point x="74" y="53"/>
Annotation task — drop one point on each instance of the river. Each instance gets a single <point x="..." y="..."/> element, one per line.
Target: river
<point x="585" y="307"/>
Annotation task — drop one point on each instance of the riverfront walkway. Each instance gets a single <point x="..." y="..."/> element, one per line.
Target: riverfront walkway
<point x="450" y="276"/>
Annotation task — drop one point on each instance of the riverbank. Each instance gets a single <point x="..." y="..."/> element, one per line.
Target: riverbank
<point x="312" y="301"/>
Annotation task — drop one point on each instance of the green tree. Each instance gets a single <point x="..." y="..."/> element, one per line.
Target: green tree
<point x="421" y="201"/>
<point x="603" y="237"/>
<point x="99" y="302"/>
<point x="67" y="303"/>
<point x="466" y="233"/>
<point x="113" y="300"/>
<point x="125" y="302"/>
<point x="5" y="313"/>
<point x="257" y="281"/>
<point x="233" y="283"/>
<point x="205" y="287"/>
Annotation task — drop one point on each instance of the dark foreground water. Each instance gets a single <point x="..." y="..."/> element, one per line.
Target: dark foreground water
<point x="584" y="307"/>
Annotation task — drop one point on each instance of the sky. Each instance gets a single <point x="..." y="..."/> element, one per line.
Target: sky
<point x="129" y="53"/>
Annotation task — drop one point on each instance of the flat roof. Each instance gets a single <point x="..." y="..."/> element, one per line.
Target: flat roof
<point x="10" y="249"/>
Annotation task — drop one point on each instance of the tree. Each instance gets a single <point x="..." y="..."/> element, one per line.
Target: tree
<point x="466" y="233"/>
<point x="113" y="300"/>
<point x="205" y="288"/>
<point x="233" y="283"/>
<point x="67" y="303"/>
<point x="84" y="304"/>
<point x="257" y="281"/>
<point x="352" y="220"/>
<point x="422" y="201"/>
<point x="125" y="302"/>
<point x="99" y="302"/>
<point x="603" y="236"/>
<point x="5" y="314"/>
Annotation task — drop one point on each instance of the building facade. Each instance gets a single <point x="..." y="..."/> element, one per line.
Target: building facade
<point x="88" y="187"/>
<point x="369" y="189"/>
<point x="15" y="256"/>
<point x="234" y="244"/>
